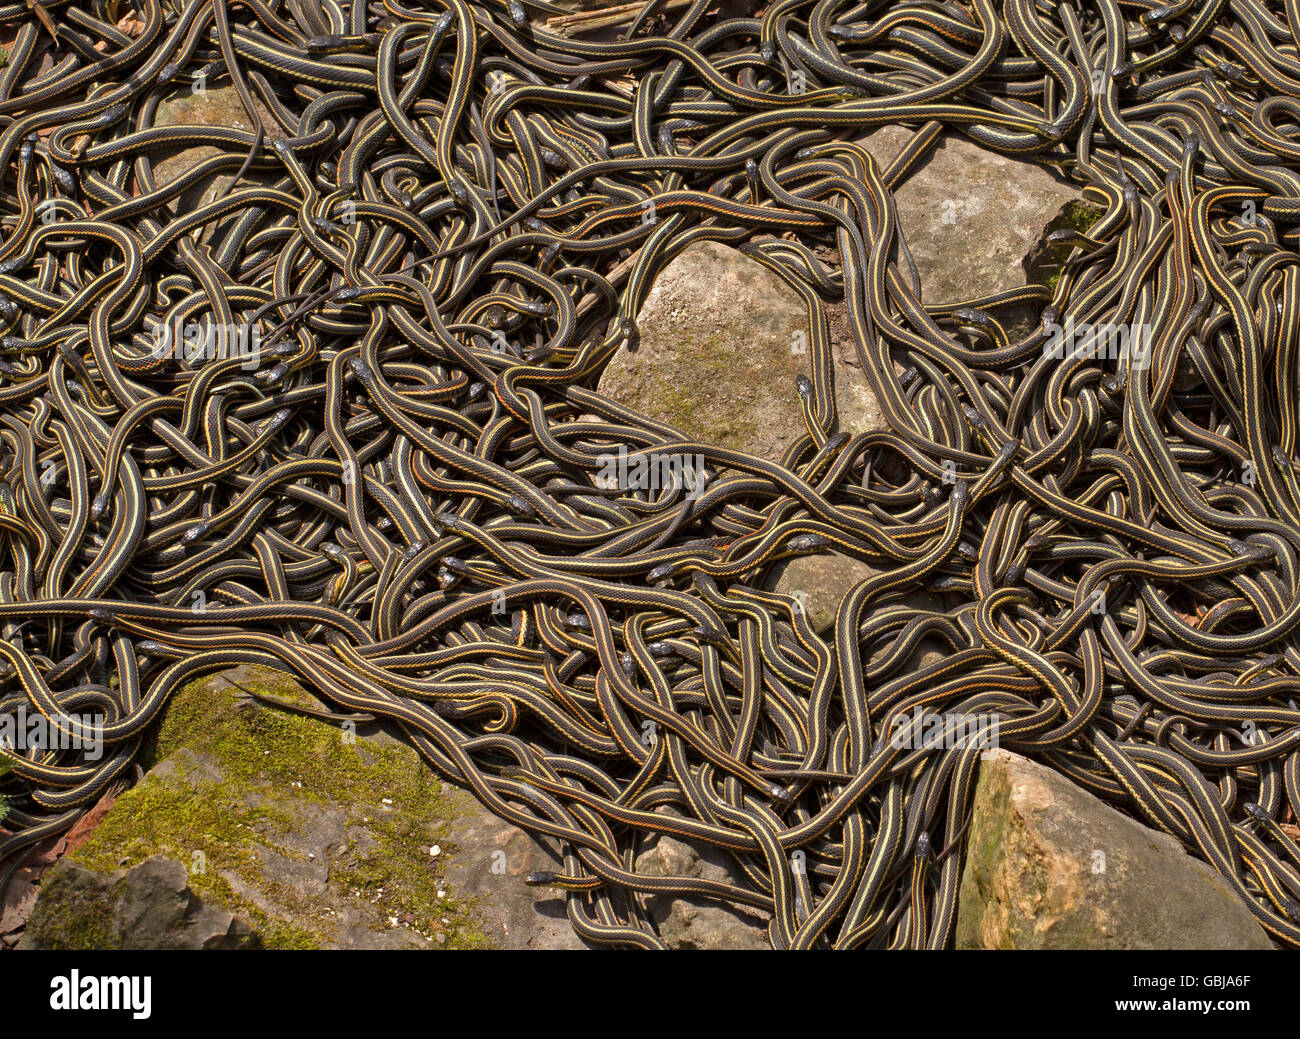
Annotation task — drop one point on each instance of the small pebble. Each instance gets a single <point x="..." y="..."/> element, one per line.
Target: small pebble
<point x="436" y="850"/>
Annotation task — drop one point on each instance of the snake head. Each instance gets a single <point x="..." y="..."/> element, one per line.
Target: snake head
<point x="973" y="315"/>
<point x="1252" y="550"/>
<point x="362" y="371"/>
<point x="710" y="633"/>
<point x="450" y="521"/>
<point x="520" y="506"/>
<point x="456" y="565"/>
<point x="660" y="572"/>
<point x="973" y="417"/>
<point x="277" y="420"/>
<point x="63" y="178"/>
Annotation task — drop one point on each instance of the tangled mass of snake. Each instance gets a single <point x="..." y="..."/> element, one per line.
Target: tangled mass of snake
<point x="435" y="236"/>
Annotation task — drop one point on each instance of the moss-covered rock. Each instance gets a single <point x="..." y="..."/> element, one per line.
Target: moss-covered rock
<point x="316" y="835"/>
<point x="1044" y="261"/>
<point x="1049" y="866"/>
<point x="150" y="906"/>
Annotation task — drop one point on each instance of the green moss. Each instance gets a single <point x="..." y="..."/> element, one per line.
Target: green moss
<point x="683" y="405"/>
<point x="220" y="794"/>
<point x="73" y="916"/>
<point x="1043" y="265"/>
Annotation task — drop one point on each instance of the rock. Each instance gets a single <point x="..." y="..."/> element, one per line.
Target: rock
<point x="149" y="906"/>
<point x="212" y="106"/>
<point x="1049" y="866"/>
<point x="316" y="837"/>
<point x="820" y="582"/>
<point x="722" y="341"/>
<point x="493" y="860"/>
<point x="970" y="215"/>
<point x="698" y="923"/>
<point x="1043" y="262"/>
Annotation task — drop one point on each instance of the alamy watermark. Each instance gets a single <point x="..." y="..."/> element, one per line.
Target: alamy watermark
<point x="652" y="471"/>
<point x="1106" y="341"/>
<point x="924" y="730"/>
<point x="22" y="731"/>
<point x="197" y="341"/>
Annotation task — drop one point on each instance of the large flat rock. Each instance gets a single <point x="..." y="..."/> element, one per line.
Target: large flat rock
<point x="970" y="215"/>
<point x="722" y="341"/>
<point x="1049" y="866"/>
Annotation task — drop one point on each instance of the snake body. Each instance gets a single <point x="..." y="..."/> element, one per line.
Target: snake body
<point x="369" y="450"/>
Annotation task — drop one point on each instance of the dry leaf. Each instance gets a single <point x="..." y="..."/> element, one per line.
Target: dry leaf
<point x="85" y="826"/>
<point x="17" y="906"/>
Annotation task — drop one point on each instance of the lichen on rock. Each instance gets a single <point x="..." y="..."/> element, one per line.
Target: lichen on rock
<point x="317" y="838"/>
